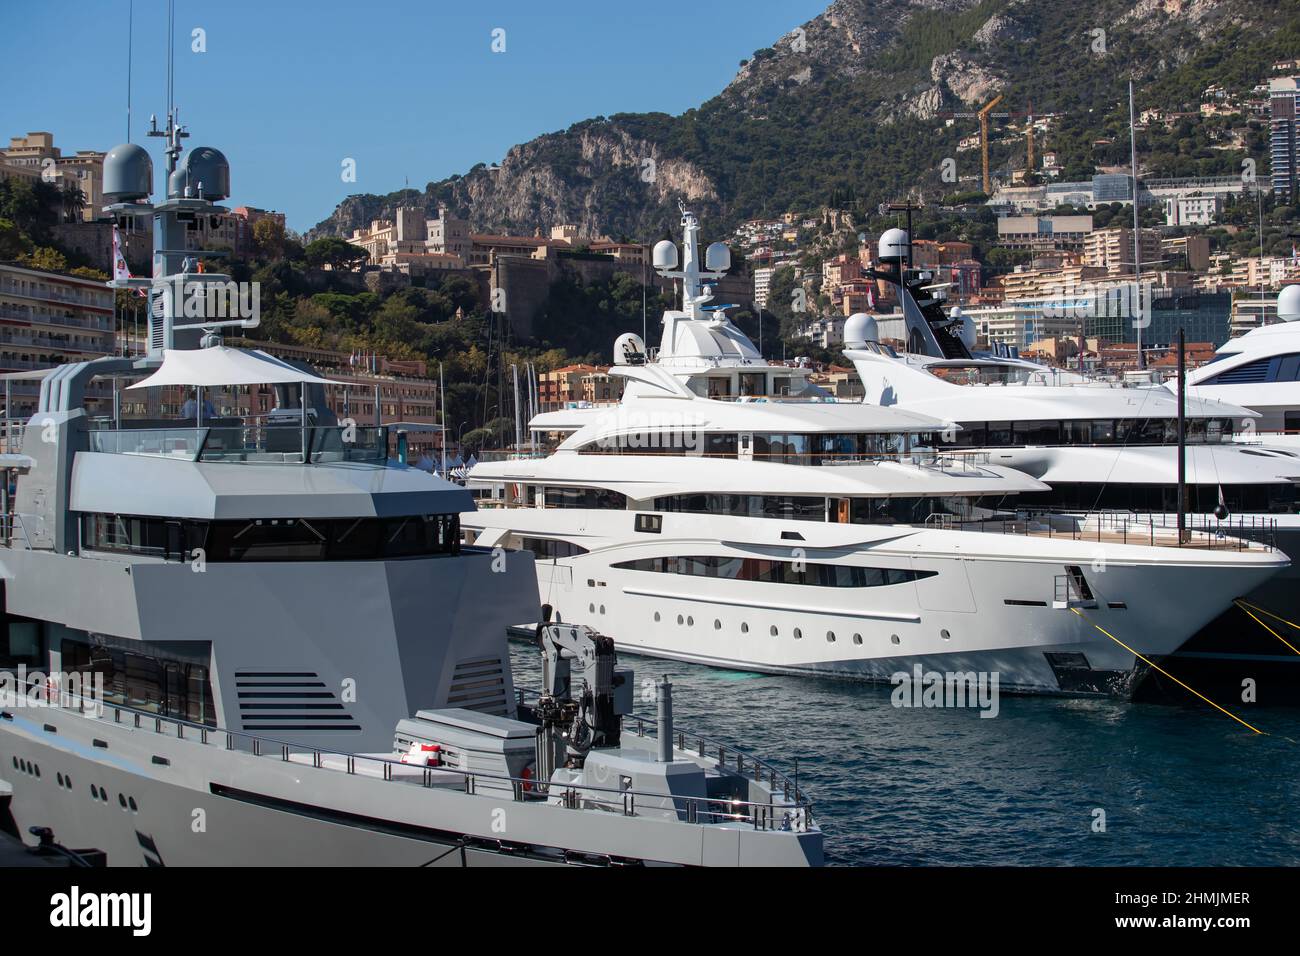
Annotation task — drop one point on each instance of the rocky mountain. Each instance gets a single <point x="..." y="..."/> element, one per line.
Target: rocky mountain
<point x="849" y="105"/>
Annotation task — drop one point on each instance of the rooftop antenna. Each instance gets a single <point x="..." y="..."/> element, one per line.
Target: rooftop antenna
<point x="130" y="44"/>
<point x="1137" y="232"/>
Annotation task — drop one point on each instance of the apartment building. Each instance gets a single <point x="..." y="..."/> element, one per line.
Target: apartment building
<point x="1112" y="249"/>
<point x="1044" y="233"/>
<point x="577" y="383"/>
<point x="48" y="319"/>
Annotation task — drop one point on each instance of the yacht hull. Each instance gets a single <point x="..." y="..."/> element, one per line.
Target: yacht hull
<point x="180" y="802"/>
<point x="981" y="604"/>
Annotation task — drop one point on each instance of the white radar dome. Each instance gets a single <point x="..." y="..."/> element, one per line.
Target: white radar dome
<point x="859" y="329"/>
<point x="717" y="257"/>
<point x="1288" y="304"/>
<point x="629" y="349"/>
<point x="893" y="244"/>
<point x="665" y="254"/>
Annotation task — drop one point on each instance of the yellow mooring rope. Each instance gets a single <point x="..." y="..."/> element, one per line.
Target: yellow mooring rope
<point x="1157" y="667"/>
<point x="1249" y="607"/>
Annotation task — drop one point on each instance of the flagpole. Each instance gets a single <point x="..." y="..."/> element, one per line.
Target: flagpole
<point x="442" y="394"/>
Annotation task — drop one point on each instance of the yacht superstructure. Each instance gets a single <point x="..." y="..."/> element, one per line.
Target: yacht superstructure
<point x="259" y="640"/>
<point x="1109" y="451"/>
<point x="728" y="512"/>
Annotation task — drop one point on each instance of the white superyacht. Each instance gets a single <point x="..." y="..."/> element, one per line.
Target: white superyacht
<point x="1110" y="451"/>
<point x="729" y="513"/>
<point x="233" y="641"/>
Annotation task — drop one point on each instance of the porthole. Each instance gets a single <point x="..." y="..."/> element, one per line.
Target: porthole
<point x="656" y="617"/>
<point x="38" y="771"/>
<point x="103" y="795"/>
<point x="121" y="800"/>
<point x="830" y="637"/>
<point x="591" y="609"/>
<point x="893" y="639"/>
<point x="67" y="781"/>
<point x="945" y="635"/>
<point x="717" y="624"/>
<point x="798" y="634"/>
<point x="744" y="628"/>
<point x="602" y="609"/>
<point x="59" y="777"/>
<point x="690" y="622"/>
<point x="94" y="792"/>
<point x="131" y="803"/>
<point x="680" y="620"/>
<point x="857" y="638"/>
<point x="775" y="632"/>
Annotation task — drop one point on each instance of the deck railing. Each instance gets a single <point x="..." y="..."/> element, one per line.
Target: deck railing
<point x="789" y="814"/>
<point x="1233" y="533"/>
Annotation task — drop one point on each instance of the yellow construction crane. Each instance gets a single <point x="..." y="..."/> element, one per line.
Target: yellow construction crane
<point x="984" y="141"/>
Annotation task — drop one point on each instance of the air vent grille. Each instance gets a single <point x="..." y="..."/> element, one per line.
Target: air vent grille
<point x="480" y="684"/>
<point x="289" y="700"/>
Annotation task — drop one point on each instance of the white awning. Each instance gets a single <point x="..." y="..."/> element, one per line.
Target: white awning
<point x="222" y="365"/>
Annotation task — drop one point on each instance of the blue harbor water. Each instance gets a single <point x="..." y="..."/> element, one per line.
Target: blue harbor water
<point x="1179" y="784"/>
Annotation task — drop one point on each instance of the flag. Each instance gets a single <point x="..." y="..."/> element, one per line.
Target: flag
<point x="121" y="272"/>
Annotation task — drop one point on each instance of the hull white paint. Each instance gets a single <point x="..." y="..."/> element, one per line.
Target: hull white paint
<point x="957" y="620"/>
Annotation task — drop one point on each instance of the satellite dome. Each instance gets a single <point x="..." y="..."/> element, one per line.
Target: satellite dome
<point x="205" y="169"/>
<point x="717" y="257"/>
<point x="859" y="329"/>
<point x="629" y="349"/>
<point x="893" y="244"/>
<point x="665" y="254"/>
<point x="128" y="173"/>
<point x="1288" y="304"/>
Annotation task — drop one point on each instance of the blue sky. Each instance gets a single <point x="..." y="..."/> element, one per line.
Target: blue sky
<point x="289" y="88"/>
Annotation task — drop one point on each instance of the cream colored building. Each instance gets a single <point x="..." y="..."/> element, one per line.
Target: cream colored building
<point x="36" y="153"/>
<point x="1112" y="249"/>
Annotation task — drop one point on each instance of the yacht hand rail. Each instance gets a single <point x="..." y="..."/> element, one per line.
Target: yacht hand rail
<point x="791" y="814"/>
<point x="1236" y="532"/>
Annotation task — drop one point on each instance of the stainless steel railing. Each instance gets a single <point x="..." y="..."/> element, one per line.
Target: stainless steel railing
<point x="793" y="813"/>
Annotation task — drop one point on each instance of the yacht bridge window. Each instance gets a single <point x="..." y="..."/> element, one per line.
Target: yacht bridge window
<point x="1275" y="368"/>
<point x="798" y="508"/>
<point x="273" y="539"/>
<point x="1098" y="431"/>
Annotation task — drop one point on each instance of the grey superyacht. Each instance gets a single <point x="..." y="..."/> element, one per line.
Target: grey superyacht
<point x="251" y="640"/>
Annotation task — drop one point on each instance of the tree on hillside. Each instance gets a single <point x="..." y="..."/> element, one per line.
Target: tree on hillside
<point x="335" y="253"/>
<point x="269" y="238"/>
<point x="12" y="241"/>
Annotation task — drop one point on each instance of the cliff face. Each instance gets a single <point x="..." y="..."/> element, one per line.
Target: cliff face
<point x="850" y="103"/>
<point x="595" y="175"/>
